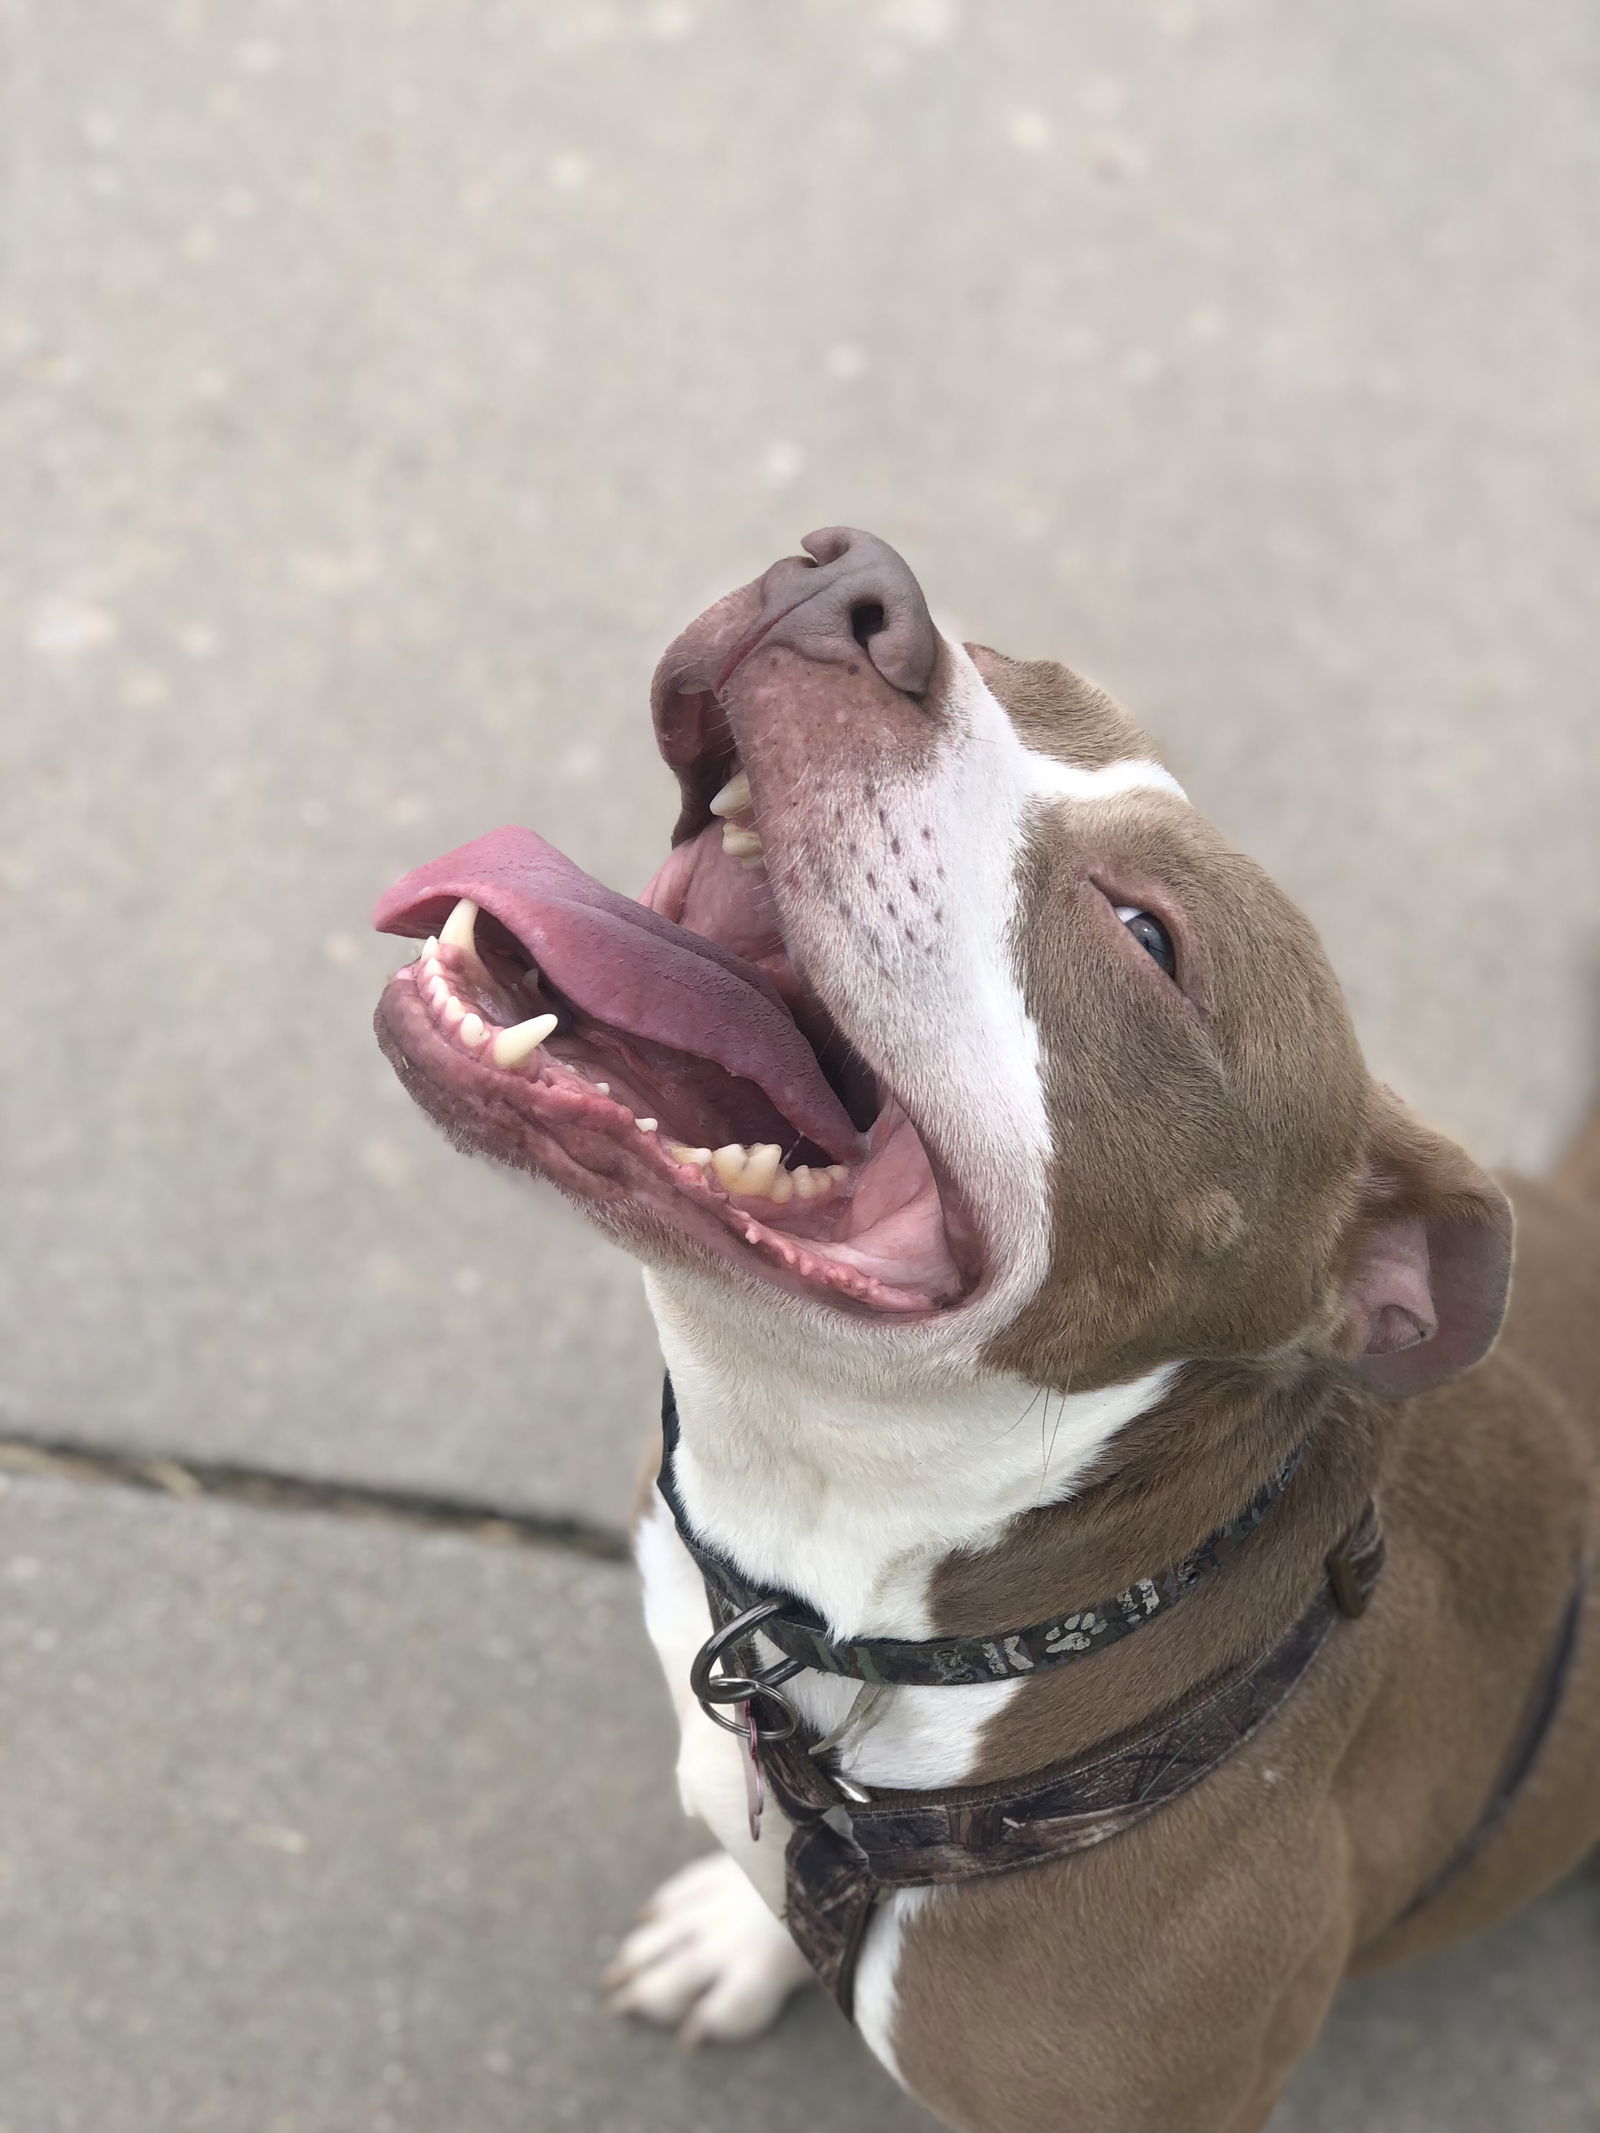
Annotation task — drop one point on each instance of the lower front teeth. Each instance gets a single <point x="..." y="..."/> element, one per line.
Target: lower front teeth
<point x="756" y="1172"/>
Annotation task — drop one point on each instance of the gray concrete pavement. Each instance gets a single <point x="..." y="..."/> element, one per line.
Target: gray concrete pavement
<point x="315" y="1827"/>
<point x="386" y="385"/>
<point x="392" y="383"/>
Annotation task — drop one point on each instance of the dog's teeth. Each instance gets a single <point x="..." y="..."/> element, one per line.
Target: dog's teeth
<point x="838" y="1172"/>
<point x="761" y="1167"/>
<point x="734" y="798"/>
<point x="512" y="1046"/>
<point x="756" y="1170"/>
<point x="809" y="1184"/>
<point x="529" y="981"/>
<point x="473" y="1029"/>
<point x="741" y="843"/>
<point x="680" y="1154"/>
<point x="729" y="1164"/>
<point x="460" y="928"/>
<point x="452" y="1011"/>
<point x="647" y="1125"/>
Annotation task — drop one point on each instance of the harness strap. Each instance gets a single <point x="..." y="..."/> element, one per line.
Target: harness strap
<point x="844" y="1854"/>
<point x="1537" y="1720"/>
<point x="846" y="1850"/>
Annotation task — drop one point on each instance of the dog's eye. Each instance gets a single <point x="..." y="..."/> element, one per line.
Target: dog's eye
<point x="1151" y="935"/>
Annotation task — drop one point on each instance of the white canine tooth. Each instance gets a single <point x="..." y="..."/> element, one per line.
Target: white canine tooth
<point x="431" y="945"/>
<point x="473" y="1029"/>
<point x="740" y="843"/>
<point x="734" y="798"/>
<point x="761" y="1167"/>
<point x="647" y="1125"/>
<point x="521" y="1041"/>
<point x="460" y="928"/>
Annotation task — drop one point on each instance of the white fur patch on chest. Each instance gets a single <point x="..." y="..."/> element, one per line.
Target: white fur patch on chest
<point x="852" y="1499"/>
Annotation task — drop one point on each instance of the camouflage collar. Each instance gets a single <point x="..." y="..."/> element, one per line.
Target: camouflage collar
<point x="946" y="1662"/>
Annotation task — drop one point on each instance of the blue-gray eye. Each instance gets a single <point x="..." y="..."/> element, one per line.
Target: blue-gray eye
<point x="1151" y="935"/>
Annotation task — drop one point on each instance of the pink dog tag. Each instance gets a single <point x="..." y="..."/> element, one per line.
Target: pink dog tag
<point x="755" y="1785"/>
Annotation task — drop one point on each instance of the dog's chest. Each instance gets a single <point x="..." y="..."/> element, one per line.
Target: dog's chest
<point x="853" y="1509"/>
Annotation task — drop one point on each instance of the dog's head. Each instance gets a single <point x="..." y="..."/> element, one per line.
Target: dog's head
<point x="948" y="1031"/>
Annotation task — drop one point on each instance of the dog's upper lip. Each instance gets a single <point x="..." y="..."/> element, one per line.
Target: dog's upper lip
<point x="630" y="967"/>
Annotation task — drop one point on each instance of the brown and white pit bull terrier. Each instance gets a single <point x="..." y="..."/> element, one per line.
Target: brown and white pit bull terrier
<point x="1018" y="1211"/>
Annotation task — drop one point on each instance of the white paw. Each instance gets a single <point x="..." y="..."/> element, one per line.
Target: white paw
<point x="708" y="1956"/>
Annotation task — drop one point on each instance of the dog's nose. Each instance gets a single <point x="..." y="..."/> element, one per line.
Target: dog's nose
<point x="858" y="597"/>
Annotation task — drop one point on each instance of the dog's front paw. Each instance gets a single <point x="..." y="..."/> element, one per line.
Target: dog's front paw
<point x="708" y="1956"/>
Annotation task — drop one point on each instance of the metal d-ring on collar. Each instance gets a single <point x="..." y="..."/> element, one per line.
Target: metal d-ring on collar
<point x="744" y="1691"/>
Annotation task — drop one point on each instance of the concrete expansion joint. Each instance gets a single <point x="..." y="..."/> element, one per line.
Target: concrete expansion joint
<point x="189" y="1480"/>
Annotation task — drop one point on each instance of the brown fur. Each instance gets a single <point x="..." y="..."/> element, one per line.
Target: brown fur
<point x="1167" y="1982"/>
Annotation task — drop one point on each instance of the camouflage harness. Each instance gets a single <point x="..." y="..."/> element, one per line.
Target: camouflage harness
<point x="847" y="1848"/>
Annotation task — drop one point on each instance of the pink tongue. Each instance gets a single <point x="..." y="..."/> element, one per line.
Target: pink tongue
<point x="629" y="968"/>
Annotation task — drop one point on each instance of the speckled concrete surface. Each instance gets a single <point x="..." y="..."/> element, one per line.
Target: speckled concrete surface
<point x="316" y="1828"/>
<point x="389" y="385"/>
<point x="385" y="387"/>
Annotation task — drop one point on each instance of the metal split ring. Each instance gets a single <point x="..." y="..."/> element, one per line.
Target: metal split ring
<point x="754" y="1690"/>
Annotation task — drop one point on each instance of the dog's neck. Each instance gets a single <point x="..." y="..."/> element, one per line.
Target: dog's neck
<point x="850" y="1487"/>
<point x="900" y="1506"/>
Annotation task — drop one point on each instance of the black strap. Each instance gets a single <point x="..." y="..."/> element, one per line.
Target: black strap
<point x="844" y="1853"/>
<point x="959" y="1662"/>
<point x="1537" y="1720"/>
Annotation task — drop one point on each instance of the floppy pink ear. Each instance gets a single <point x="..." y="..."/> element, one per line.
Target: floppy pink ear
<point x="1427" y="1291"/>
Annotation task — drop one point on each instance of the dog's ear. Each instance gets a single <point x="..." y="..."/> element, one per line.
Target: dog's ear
<point x="1430" y="1259"/>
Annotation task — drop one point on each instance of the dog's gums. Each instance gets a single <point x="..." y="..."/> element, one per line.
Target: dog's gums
<point x="665" y="1062"/>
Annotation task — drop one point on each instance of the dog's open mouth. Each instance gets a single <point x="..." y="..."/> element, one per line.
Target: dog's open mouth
<point x="665" y="1062"/>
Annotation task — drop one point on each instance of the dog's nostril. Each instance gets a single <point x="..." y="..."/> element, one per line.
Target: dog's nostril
<point x="855" y="595"/>
<point x="867" y="618"/>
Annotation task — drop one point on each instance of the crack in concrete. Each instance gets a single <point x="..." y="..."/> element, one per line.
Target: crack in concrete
<point x="190" y="1480"/>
